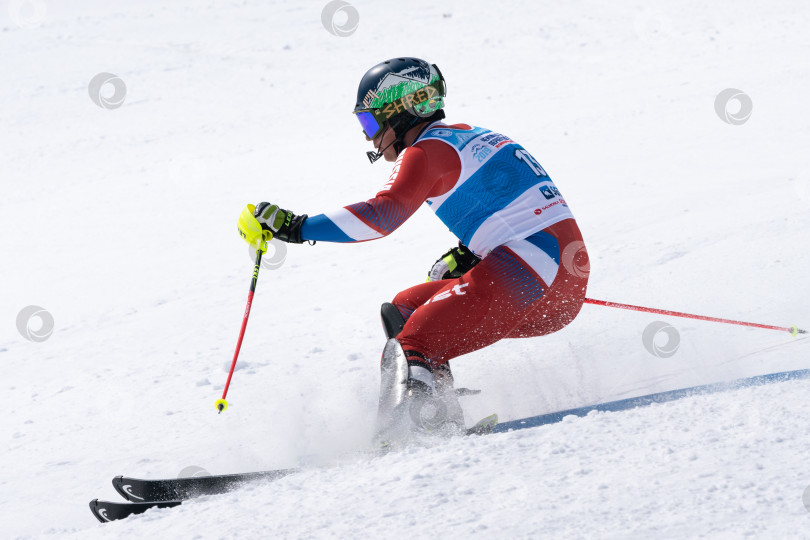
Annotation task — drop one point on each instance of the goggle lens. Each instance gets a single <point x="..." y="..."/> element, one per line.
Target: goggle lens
<point x="369" y="123"/>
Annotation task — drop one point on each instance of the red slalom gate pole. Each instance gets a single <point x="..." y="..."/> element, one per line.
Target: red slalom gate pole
<point x="792" y="329"/>
<point x="221" y="403"/>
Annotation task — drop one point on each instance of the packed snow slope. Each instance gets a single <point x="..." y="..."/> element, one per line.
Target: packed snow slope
<point x="120" y="223"/>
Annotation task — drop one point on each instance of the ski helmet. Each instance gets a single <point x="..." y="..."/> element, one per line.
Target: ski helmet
<point x="399" y="93"/>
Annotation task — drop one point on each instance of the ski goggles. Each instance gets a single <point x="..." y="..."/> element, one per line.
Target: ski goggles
<point x="423" y="102"/>
<point x="371" y="127"/>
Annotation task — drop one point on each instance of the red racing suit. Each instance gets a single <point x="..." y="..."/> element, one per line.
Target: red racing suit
<point x="501" y="203"/>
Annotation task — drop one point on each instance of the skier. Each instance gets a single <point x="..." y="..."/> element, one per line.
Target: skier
<point x="520" y="270"/>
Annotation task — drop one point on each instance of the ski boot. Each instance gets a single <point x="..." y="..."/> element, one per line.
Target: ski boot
<point x="415" y="400"/>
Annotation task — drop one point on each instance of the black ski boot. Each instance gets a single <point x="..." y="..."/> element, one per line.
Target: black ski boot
<point x="414" y="400"/>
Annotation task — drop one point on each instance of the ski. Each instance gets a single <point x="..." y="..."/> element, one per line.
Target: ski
<point x="166" y="493"/>
<point x="179" y="489"/>
<point x="111" y="511"/>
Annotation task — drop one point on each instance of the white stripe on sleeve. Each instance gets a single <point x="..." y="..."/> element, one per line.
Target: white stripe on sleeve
<point x="352" y="226"/>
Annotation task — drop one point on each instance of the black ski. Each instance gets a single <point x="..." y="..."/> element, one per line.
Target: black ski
<point x="167" y="493"/>
<point x="110" y="511"/>
<point x="137" y="490"/>
<point x="179" y="489"/>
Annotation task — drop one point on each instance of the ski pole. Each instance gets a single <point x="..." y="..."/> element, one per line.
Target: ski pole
<point x="221" y="403"/>
<point x="792" y="329"/>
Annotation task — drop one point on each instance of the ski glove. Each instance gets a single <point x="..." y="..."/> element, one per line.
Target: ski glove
<point x="284" y="225"/>
<point x="453" y="264"/>
<point x="251" y="230"/>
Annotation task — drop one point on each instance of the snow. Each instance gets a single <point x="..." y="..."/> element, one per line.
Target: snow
<point x="121" y="224"/>
<point x="647" y="473"/>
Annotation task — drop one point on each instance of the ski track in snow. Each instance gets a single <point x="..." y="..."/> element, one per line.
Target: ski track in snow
<point x="120" y="223"/>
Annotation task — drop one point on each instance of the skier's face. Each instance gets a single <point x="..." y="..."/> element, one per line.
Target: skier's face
<point x="384" y="139"/>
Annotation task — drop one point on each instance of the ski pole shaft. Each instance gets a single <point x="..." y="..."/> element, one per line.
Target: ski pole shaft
<point x="792" y="329"/>
<point x="221" y="403"/>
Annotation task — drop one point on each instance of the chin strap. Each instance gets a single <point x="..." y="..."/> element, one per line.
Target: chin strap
<point x="374" y="156"/>
<point x="397" y="143"/>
